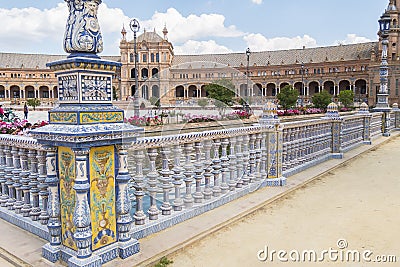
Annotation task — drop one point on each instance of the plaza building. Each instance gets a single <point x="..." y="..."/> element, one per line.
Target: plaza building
<point x="261" y="75"/>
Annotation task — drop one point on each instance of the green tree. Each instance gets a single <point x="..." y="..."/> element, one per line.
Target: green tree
<point x="202" y="102"/>
<point x="288" y="97"/>
<point x="346" y="97"/>
<point x="33" y="102"/>
<point x="223" y="92"/>
<point x="155" y="101"/>
<point x="322" y="99"/>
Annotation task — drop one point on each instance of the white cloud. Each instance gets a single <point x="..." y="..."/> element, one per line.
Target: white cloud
<point x="258" y="2"/>
<point x="192" y="27"/>
<point x="353" y="39"/>
<point x="201" y="47"/>
<point x="258" y="42"/>
<point x="19" y="25"/>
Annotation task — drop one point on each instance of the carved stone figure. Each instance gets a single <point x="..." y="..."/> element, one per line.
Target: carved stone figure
<point x="82" y="33"/>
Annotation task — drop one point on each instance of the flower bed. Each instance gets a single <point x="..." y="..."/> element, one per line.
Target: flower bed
<point x="19" y="127"/>
<point x="144" y="121"/>
<point x="292" y="112"/>
<point x="188" y="118"/>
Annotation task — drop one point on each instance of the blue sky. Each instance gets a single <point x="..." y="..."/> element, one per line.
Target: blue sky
<point x="197" y="26"/>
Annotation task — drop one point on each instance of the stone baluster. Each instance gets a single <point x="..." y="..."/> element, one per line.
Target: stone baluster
<point x="165" y="182"/>
<point x="239" y="161"/>
<point x="285" y="149"/>
<point x="3" y="180"/>
<point x="53" y="207"/>
<point x="292" y="151"/>
<point x="138" y="184"/>
<point x="188" y="199"/>
<point x="258" y="157"/>
<point x="198" y="195"/>
<point x="17" y="180"/>
<point x="216" y="165"/>
<point x="123" y="203"/>
<point x="26" y="208"/>
<point x="43" y="186"/>
<point x="81" y="216"/>
<point x="34" y="185"/>
<point x="207" y="169"/>
<point x="232" y="164"/>
<point x="302" y="145"/>
<point x="224" y="165"/>
<point x="178" y="177"/>
<point x="295" y="147"/>
<point x="246" y="155"/>
<point x="152" y="177"/>
<point x="8" y="175"/>
<point x="263" y="164"/>
<point x="252" y="158"/>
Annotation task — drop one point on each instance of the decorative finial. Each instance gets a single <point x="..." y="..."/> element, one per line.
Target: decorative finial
<point x="82" y="35"/>
<point x="123" y="32"/>
<point x="165" y="32"/>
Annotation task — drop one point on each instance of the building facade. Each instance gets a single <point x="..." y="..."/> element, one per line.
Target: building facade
<point x="177" y="78"/>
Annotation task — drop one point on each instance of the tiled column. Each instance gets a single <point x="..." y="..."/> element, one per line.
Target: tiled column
<point x="258" y="157"/>
<point x="11" y="154"/>
<point x="246" y="159"/>
<point x="216" y="165"/>
<point x="26" y="208"/>
<point x="178" y="177"/>
<point x="207" y="169"/>
<point x="252" y="158"/>
<point x="81" y="216"/>
<point x="198" y="169"/>
<point x="165" y="182"/>
<point x="224" y="165"/>
<point x="152" y="177"/>
<point x="232" y="164"/>
<point x="34" y="185"/>
<point x="43" y="186"/>
<point x="188" y="199"/>
<point x="127" y="246"/>
<point x="52" y="250"/>
<point x="239" y="161"/>
<point x="16" y="179"/>
<point x="139" y="186"/>
<point x="3" y="180"/>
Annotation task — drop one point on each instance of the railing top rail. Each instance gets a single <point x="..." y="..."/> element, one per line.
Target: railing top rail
<point x="168" y="140"/>
<point x="21" y="141"/>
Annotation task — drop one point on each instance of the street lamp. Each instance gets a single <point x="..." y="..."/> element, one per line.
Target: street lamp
<point x="135" y="27"/>
<point x="382" y="104"/>
<point x="248" y="53"/>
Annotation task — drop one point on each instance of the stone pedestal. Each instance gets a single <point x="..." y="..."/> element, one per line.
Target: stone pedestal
<point x="274" y="145"/>
<point x="89" y="205"/>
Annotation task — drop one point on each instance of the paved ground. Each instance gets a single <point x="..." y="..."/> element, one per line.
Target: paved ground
<point x="359" y="202"/>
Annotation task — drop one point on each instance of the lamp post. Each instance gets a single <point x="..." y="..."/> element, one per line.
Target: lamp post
<point x="135" y="27"/>
<point x="302" y="84"/>
<point x="248" y="53"/>
<point x="382" y="104"/>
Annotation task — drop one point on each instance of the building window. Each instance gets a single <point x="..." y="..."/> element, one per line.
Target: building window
<point x="157" y="57"/>
<point x="131" y="57"/>
<point x="152" y="57"/>
<point x="144" y="58"/>
<point x="397" y="86"/>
